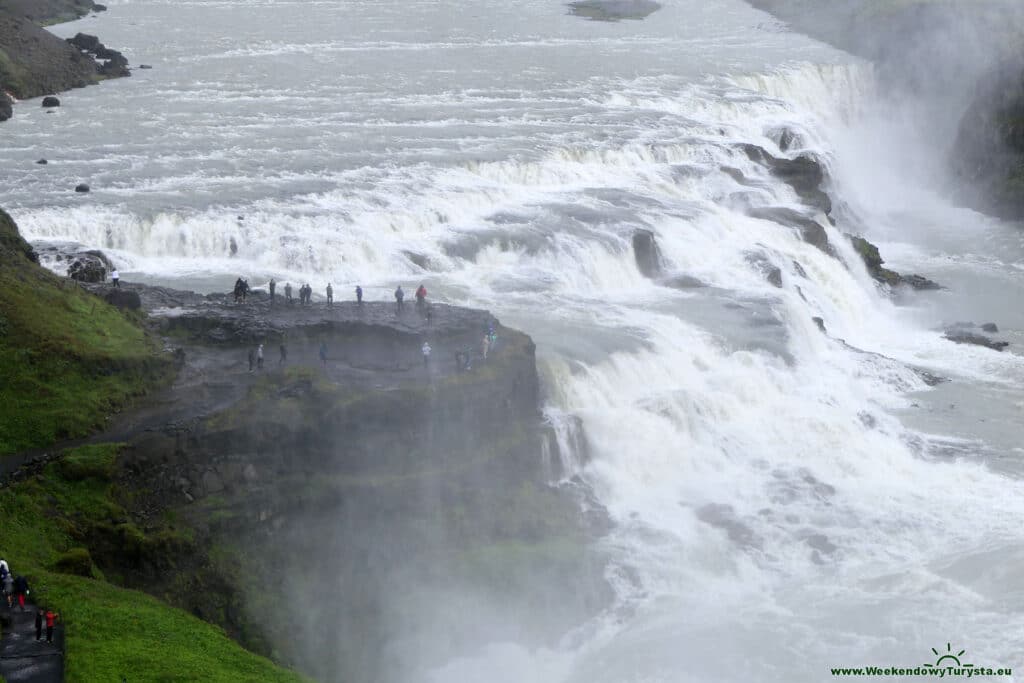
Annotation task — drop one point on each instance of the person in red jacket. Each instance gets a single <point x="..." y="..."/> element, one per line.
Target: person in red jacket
<point x="51" y="620"/>
<point x="421" y="295"/>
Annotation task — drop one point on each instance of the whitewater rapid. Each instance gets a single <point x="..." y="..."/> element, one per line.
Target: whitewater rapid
<point x="783" y="500"/>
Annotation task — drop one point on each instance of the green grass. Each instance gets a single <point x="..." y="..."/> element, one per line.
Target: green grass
<point x="67" y="358"/>
<point x="111" y="632"/>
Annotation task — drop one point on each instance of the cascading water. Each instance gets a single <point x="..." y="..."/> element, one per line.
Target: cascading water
<point x="783" y="501"/>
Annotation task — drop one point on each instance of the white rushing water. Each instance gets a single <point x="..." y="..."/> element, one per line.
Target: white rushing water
<point x="783" y="501"/>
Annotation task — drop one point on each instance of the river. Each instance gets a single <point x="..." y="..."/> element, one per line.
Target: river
<point x="784" y="501"/>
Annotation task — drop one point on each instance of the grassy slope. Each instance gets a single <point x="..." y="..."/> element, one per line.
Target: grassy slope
<point x="67" y="359"/>
<point x="110" y="632"/>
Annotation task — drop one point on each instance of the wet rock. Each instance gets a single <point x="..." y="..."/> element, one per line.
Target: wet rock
<point x="123" y="298"/>
<point x="868" y="253"/>
<point x="724" y="517"/>
<point x="990" y="327"/>
<point x="84" y="41"/>
<point x="145" y="66"/>
<point x="81" y="187"/>
<point x="772" y="273"/>
<point x="811" y="230"/>
<point x="42" y="162"/>
<point x="682" y="282"/>
<point x="6" y="106"/>
<point x="804" y="173"/>
<point x="420" y="260"/>
<point x="799" y="269"/>
<point x="820" y="323"/>
<point x="613" y="10"/>
<point x="89" y="267"/>
<point x="51" y="101"/>
<point x="960" y="336"/>
<point x="647" y="253"/>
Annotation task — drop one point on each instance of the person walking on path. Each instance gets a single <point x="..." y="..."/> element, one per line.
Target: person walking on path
<point x="284" y="356"/>
<point x="273" y="286"/>
<point x="323" y="353"/>
<point x="51" y="621"/>
<point x="485" y="346"/>
<point x="399" y="298"/>
<point x="4" y="569"/>
<point x="252" y="359"/>
<point x="259" y="357"/>
<point x="359" y="295"/>
<point x="426" y="353"/>
<point x="9" y="589"/>
<point x="40" y="617"/>
<point x="287" y="292"/>
<point x="330" y="295"/>
<point x="115" y="278"/>
<point x="21" y="590"/>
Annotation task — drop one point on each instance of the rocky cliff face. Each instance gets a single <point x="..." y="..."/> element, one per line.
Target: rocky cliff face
<point x="34" y="62"/>
<point x="363" y="518"/>
<point x="989" y="151"/>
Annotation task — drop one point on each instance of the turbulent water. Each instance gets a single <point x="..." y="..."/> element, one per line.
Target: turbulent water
<point x="783" y="501"/>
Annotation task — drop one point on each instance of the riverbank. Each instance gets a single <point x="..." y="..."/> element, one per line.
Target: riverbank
<point x="34" y="62"/>
<point x="209" y="481"/>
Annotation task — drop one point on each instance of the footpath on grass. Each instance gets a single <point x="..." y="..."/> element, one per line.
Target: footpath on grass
<point x="23" y="659"/>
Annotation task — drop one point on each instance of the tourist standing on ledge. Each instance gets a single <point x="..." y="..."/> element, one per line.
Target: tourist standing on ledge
<point x="399" y="298"/>
<point x="273" y="286"/>
<point x="259" y="357"/>
<point x="330" y="295"/>
<point x="288" y="292"/>
<point x="421" y="295"/>
<point x="115" y="278"/>
<point x="359" y="295"/>
<point x="426" y="353"/>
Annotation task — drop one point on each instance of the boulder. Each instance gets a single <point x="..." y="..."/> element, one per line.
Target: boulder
<point x="811" y="230"/>
<point x="990" y="327"/>
<point x="123" y="298"/>
<point x="145" y="66"/>
<point x="81" y="187"/>
<point x="772" y="273"/>
<point x="83" y="41"/>
<point x="99" y="8"/>
<point x="88" y="268"/>
<point x="868" y="253"/>
<point x="959" y="336"/>
<point x="6" y="108"/>
<point x="51" y="101"/>
<point x="804" y="173"/>
<point x="647" y="253"/>
<point x="42" y="162"/>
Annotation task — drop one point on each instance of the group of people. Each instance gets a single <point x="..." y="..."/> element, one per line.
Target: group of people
<point x="464" y="357"/>
<point x="16" y="590"/>
<point x="242" y="290"/>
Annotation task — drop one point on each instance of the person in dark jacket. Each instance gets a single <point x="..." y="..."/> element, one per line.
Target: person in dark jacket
<point x="39" y="624"/>
<point x="330" y="295"/>
<point x="273" y="286"/>
<point x="287" y="292"/>
<point x="359" y="295"/>
<point x="399" y="298"/>
<point x="21" y="590"/>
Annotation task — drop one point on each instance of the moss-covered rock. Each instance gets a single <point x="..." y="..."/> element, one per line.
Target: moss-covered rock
<point x="75" y="561"/>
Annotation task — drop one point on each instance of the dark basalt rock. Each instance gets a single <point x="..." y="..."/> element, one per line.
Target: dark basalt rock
<point x="990" y="327"/>
<point x="81" y="187"/>
<point x="959" y="336"/>
<point x="84" y="41"/>
<point x="42" y="162"/>
<point x="772" y="273"/>
<point x="123" y="298"/>
<point x="89" y="267"/>
<point x="804" y="173"/>
<point x="6" y="106"/>
<point x="812" y="231"/>
<point x="51" y="101"/>
<point x="647" y="253"/>
<point x="873" y="260"/>
<point x="613" y="10"/>
<point x="820" y="323"/>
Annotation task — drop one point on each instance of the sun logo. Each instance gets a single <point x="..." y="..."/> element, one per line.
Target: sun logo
<point x="948" y="658"/>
